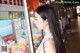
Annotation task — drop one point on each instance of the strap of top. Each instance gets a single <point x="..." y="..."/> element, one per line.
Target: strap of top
<point x="48" y="36"/>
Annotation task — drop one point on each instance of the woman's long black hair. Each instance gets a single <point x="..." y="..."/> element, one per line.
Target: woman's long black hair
<point x="47" y="12"/>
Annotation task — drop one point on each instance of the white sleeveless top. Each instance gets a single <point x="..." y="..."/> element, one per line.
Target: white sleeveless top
<point x="46" y="37"/>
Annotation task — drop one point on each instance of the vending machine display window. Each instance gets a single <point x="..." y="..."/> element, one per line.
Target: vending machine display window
<point x="13" y="32"/>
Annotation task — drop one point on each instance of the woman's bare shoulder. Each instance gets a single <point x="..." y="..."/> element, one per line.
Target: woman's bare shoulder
<point x="49" y="46"/>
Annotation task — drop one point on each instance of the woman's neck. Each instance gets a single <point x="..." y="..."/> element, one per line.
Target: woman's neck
<point x="46" y="30"/>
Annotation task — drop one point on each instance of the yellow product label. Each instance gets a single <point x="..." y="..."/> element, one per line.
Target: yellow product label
<point x="15" y="47"/>
<point x="22" y="44"/>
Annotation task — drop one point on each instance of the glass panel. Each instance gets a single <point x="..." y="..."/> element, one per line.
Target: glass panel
<point x="13" y="32"/>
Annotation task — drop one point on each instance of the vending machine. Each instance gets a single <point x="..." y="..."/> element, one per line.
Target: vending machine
<point x="15" y="32"/>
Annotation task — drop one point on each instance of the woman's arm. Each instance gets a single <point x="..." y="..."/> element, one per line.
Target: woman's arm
<point x="49" y="46"/>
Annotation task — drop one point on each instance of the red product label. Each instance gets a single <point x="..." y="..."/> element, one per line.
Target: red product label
<point x="10" y="2"/>
<point x="21" y="3"/>
<point x="0" y="1"/>
<point x="5" y="1"/>
<point x="14" y="1"/>
<point x="18" y="1"/>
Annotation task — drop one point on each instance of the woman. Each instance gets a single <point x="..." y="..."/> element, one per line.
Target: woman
<point x="46" y="20"/>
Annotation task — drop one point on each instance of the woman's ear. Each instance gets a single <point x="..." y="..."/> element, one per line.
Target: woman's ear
<point x="46" y="22"/>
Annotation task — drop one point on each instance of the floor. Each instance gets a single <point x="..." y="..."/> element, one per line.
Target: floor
<point x="73" y="38"/>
